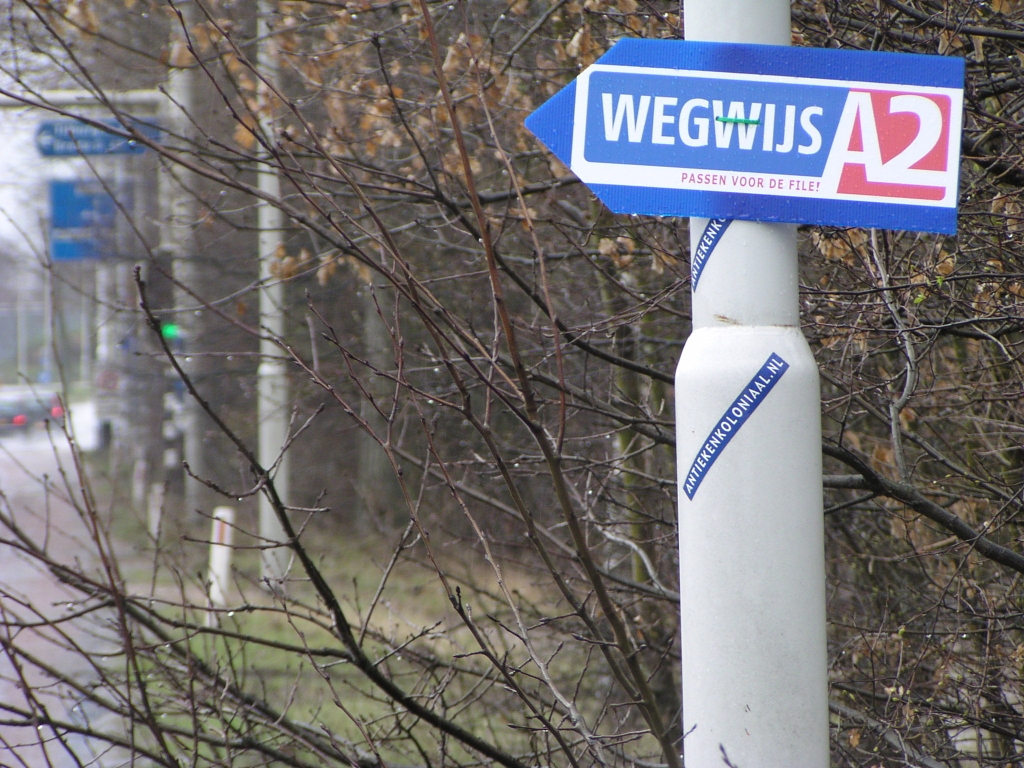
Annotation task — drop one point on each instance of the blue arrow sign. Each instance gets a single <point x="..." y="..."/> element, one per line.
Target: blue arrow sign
<point x="71" y="138"/>
<point x="768" y="133"/>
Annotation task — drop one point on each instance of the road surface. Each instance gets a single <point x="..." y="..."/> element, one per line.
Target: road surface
<point x="32" y="471"/>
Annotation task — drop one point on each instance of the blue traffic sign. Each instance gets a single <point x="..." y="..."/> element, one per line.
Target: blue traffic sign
<point x="81" y="220"/>
<point x="71" y="138"/>
<point x="767" y="133"/>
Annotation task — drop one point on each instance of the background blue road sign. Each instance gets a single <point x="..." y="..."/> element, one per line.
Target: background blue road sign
<point x="71" y="138"/>
<point x="82" y="218"/>
<point x="769" y="133"/>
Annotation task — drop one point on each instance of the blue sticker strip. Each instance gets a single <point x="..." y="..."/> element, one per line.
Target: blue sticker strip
<point x="734" y="417"/>
<point x="712" y="234"/>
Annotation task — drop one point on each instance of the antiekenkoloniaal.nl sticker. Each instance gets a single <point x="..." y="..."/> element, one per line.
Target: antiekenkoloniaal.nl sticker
<point x="732" y="421"/>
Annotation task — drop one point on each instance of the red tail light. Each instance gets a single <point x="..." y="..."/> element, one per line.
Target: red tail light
<point x="57" y="412"/>
<point x="20" y="420"/>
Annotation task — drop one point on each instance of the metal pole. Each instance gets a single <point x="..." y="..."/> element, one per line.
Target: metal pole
<point x="752" y="579"/>
<point x="272" y="387"/>
<point x="22" y="325"/>
<point x="46" y="372"/>
<point x="85" y="326"/>
<point x="177" y="241"/>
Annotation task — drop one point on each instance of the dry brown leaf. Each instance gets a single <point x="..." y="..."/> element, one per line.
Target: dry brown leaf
<point x="81" y="14"/>
<point x="244" y="135"/>
<point x="180" y="56"/>
<point x="842" y="245"/>
<point x="311" y="69"/>
<point x="527" y="218"/>
<point x="286" y="268"/>
<point x="1018" y="657"/>
<point x="908" y="416"/>
<point x="620" y="251"/>
<point x="557" y="167"/>
<point x="1014" y="216"/>
<point x="946" y="264"/>
<point x="883" y="455"/>
<point x="979" y="47"/>
<point x="572" y="48"/>
<point x="201" y="34"/>
<point x="328" y="266"/>
<point x="853" y="439"/>
<point x="984" y="300"/>
<point x="666" y="258"/>
<point x="949" y="41"/>
<point x="232" y="64"/>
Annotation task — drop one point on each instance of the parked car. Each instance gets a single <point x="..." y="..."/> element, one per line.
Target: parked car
<point x="43" y="406"/>
<point x="22" y="408"/>
<point x="13" y="417"/>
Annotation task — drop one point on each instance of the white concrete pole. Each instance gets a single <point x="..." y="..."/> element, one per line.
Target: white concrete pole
<point x="155" y="511"/>
<point x="46" y="374"/>
<point x="221" y="536"/>
<point x="272" y="387"/>
<point x="752" y="580"/>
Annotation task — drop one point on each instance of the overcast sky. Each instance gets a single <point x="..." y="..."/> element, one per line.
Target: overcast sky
<point x="24" y="174"/>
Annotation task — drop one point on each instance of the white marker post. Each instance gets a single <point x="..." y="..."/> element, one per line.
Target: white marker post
<point x="220" y="559"/>
<point x="752" y="577"/>
<point x="155" y="511"/>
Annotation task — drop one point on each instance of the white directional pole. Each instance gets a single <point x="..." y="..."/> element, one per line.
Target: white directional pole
<point x="272" y="388"/>
<point x="220" y="560"/>
<point x="752" y="580"/>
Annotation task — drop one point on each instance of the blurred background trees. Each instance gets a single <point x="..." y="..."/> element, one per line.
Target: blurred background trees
<point x="481" y="506"/>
